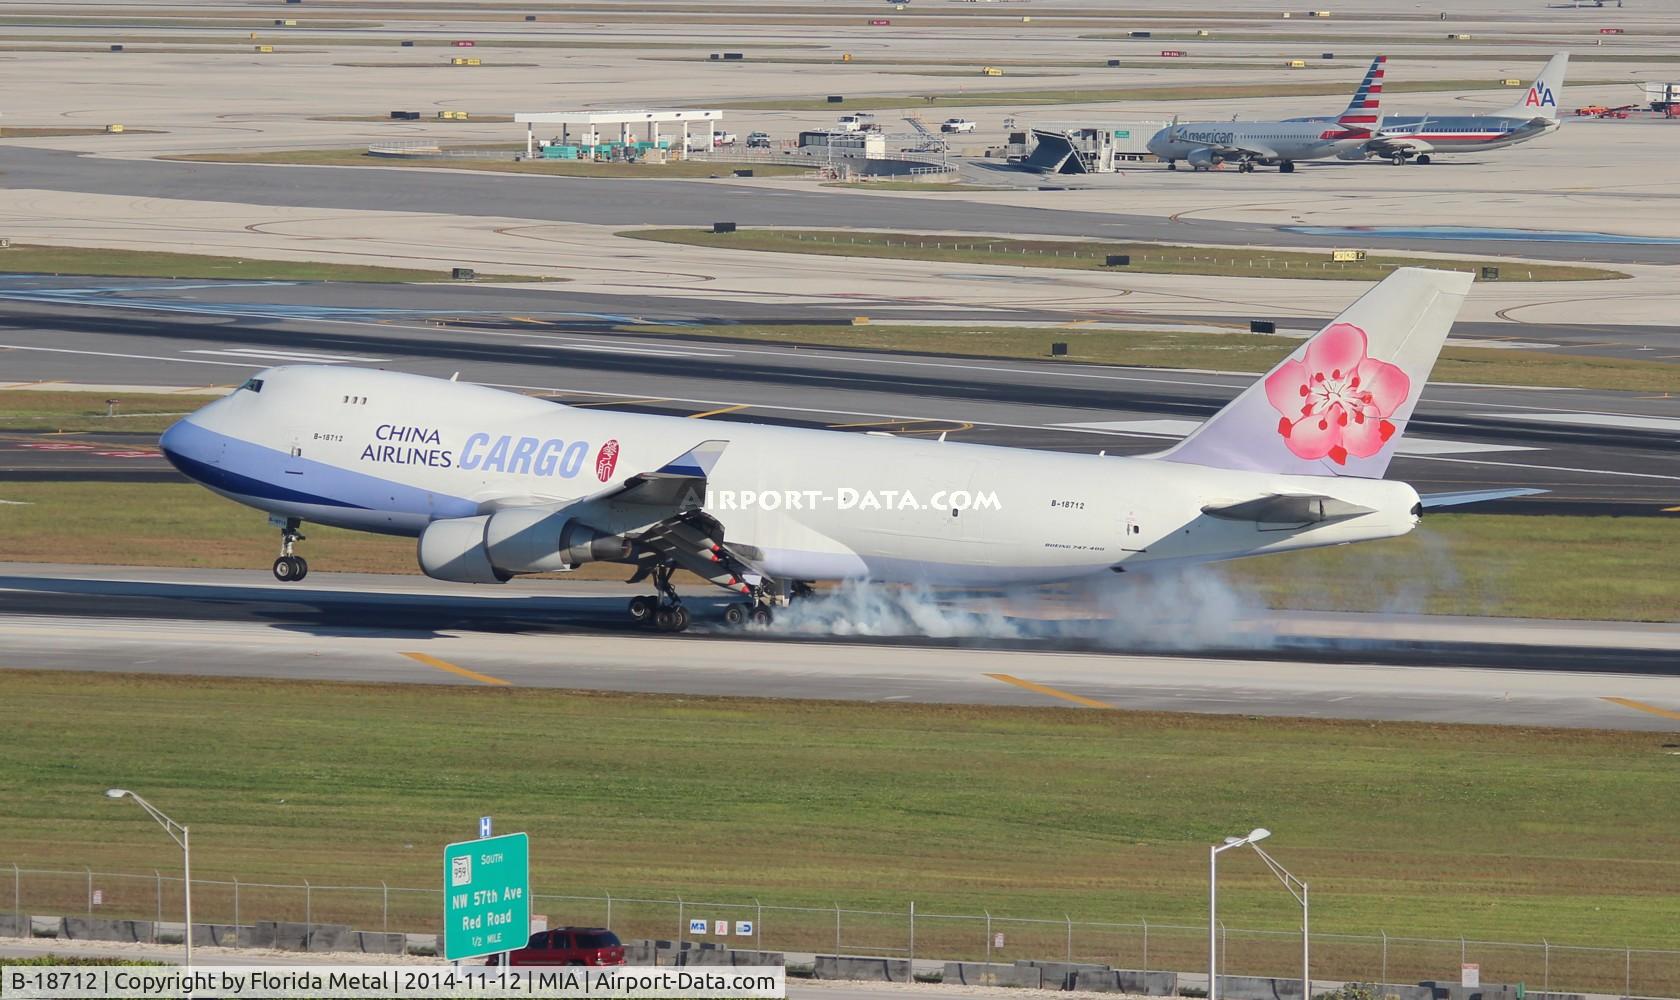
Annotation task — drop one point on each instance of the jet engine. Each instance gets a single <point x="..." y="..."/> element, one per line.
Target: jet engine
<point x="494" y="548"/>
<point x="1203" y="158"/>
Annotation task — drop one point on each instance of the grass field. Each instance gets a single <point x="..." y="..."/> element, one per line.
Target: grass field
<point x="32" y="410"/>
<point x="1238" y="352"/>
<point x="1146" y="258"/>
<point x="1542" y="567"/>
<point x="29" y="259"/>
<point x="1494" y="833"/>
<point x="30" y="132"/>
<point x="556" y="168"/>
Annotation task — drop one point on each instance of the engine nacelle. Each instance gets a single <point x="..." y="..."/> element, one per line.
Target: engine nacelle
<point x="454" y="550"/>
<point x="1202" y="158"/>
<point x="493" y="548"/>
<point x="542" y="540"/>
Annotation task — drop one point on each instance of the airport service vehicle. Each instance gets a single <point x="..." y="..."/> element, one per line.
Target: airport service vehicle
<point x="758" y="140"/>
<point x="724" y="138"/>
<point x="1662" y="96"/>
<point x="1205" y="145"/>
<point x="568" y="946"/>
<point x="494" y="484"/>
<point x="1419" y="137"/>
<point x="956" y="125"/>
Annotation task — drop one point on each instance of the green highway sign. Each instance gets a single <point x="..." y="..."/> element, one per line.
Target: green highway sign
<point x="486" y="896"/>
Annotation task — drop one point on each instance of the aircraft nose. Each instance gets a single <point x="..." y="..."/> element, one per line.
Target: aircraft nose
<point x="170" y="442"/>
<point x="177" y="446"/>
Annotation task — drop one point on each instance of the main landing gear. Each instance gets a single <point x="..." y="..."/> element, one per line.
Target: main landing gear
<point x="290" y="568"/>
<point x="664" y="610"/>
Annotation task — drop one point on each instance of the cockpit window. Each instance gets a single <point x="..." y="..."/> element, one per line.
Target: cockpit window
<point x="253" y="384"/>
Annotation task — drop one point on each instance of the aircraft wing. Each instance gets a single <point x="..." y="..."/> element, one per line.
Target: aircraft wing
<point x="1250" y="151"/>
<point x="679" y="529"/>
<point x="1434" y="500"/>
<point x="679" y="484"/>
<point x="1385" y="145"/>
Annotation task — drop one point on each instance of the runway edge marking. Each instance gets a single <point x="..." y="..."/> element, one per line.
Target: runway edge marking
<point x="1050" y="691"/>
<point x="447" y="667"/>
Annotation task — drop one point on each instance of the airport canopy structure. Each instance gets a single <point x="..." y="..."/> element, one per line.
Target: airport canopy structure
<point x="587" y="125"/>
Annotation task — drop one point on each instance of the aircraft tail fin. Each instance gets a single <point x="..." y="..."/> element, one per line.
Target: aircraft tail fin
<point x="1545" y="94"/>
<point x="1338" y="405"/>
<point x="1362" y="111"/>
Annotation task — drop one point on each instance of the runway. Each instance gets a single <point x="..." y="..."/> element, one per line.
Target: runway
<point x="393" y="630"/>
<point x="620" y="202"/>
<point x="1595" y="451"/>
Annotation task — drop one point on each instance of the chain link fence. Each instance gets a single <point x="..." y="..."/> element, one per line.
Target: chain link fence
<point x="838" y="929"/>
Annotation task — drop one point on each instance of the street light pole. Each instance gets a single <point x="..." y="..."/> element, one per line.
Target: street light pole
<point x="1298" y="889"/>
<point x="181" y="836"/>
<point x="1259" y="833"/>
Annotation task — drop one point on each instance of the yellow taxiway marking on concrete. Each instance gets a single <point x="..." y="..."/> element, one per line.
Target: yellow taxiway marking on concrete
<point x="718" y="411"/>
<point x="1640" y="706"/>
<point x="447" y="667"/>
<point x="624" y="402"/>
<point x="1050" y="691"/>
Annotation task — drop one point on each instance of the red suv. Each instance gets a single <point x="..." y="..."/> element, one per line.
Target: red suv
<point x="568" y="946"/>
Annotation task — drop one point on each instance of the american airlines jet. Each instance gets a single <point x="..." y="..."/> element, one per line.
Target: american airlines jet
<point x="1205" y="145"/>
<point x="1403" y="137"/>
<point x="495" y="484"/>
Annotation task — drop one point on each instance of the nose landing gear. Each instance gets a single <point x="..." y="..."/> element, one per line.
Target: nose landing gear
<point x="290" y="568"/>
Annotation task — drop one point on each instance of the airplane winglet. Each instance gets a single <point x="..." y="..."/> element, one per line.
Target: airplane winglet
<point x="696" y="461"/>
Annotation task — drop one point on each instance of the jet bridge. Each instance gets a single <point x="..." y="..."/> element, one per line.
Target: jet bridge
<point x="1096" y="149"/>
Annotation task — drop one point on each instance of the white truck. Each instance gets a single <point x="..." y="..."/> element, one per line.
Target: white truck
<point x="1662" y="96"/>
<point x="956" y="125"/>
<point x="861" y="122"/>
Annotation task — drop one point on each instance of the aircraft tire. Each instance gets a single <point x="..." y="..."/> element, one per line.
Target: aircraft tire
<point x="664" y="619"/>
<point x="290" y="569"/>
<point x="762" y="617"/>
<point x="641" y="608"/>
<point x="1423" y="158"/>
<point x="679" y="619"/>
<point x="302" y="567"/>
<point x="735" y="615"/>
<point x="1398" y="159"/>
<point x="1286" y="167"/>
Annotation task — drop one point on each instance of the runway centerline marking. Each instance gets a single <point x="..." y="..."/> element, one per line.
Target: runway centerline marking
<point x="447" y="667"/>
<point x="1640" y="706"/>
<point x="1050" y="691"/>
<point x="719" y="411"/>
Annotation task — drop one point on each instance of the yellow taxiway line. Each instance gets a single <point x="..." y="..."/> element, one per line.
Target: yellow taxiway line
<point x="1050" y="691"/>
<point x="718" y="411"/>
<point x="447" y="667"/>
<point x="1640" y="706"/>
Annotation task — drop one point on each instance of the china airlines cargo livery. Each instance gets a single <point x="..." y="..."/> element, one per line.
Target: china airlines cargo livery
<point x="495" y="484"/>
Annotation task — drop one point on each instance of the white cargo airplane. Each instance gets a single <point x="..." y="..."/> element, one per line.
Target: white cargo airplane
<point x="496" y="484"/>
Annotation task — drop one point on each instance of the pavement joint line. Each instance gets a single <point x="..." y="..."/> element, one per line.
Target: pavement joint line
<point x="1043" y="689"/>
<point x="447" y="667"/>
<point x="1640" y="706"/>
<point x="719" y="411"/>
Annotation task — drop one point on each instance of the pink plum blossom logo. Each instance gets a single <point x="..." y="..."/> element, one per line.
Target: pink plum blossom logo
<point x="1337" y="402"/>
